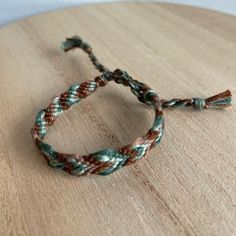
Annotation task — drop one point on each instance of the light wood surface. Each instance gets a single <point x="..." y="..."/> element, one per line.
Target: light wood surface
<point x="185" y="186"/>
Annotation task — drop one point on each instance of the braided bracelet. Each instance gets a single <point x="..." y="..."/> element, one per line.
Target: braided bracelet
<point x="109" y="160"/>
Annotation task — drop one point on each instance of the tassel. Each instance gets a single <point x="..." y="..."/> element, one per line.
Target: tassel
<point x="74" y="42"/>
<point x="221" y="100"/>
<point x="71" y="43"/>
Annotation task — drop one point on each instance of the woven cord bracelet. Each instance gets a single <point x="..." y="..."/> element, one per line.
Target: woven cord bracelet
<point x="109" y="160"/>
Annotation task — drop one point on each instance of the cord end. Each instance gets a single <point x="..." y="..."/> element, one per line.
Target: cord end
<point x="221" y="100"/>
<point x="71" y="43"/>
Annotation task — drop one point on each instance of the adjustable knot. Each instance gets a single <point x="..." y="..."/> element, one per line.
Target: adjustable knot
<point x="150" y="97"/>
<point x="122" y="77"/>
<point x="199" y="103"/>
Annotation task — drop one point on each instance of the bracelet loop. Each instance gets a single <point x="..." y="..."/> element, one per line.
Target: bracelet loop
<point x="109" y="160"/>
<point x="105" y="161"/>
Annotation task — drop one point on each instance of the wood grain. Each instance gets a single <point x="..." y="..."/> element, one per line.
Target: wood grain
<point x="186" y="186"/>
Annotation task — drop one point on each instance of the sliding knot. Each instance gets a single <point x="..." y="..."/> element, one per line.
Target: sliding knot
<point x="150" y="97"/>
<point x="199" y="103"/>
<point x="122" y="77"/>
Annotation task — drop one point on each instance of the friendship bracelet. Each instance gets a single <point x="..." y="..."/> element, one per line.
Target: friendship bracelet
<point x="107" y="161"/>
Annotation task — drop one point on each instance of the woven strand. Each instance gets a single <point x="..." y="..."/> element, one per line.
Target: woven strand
<point x="109" y="160"/>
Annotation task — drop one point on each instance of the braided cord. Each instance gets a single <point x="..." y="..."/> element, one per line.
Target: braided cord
<point x="102" y="162"/>
<point x="107" y="161"/>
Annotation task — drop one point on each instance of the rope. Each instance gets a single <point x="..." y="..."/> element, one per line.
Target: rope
<point x="107" y="161"/>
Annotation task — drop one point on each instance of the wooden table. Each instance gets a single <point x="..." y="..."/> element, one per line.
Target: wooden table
<point x="185" y="186"/>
